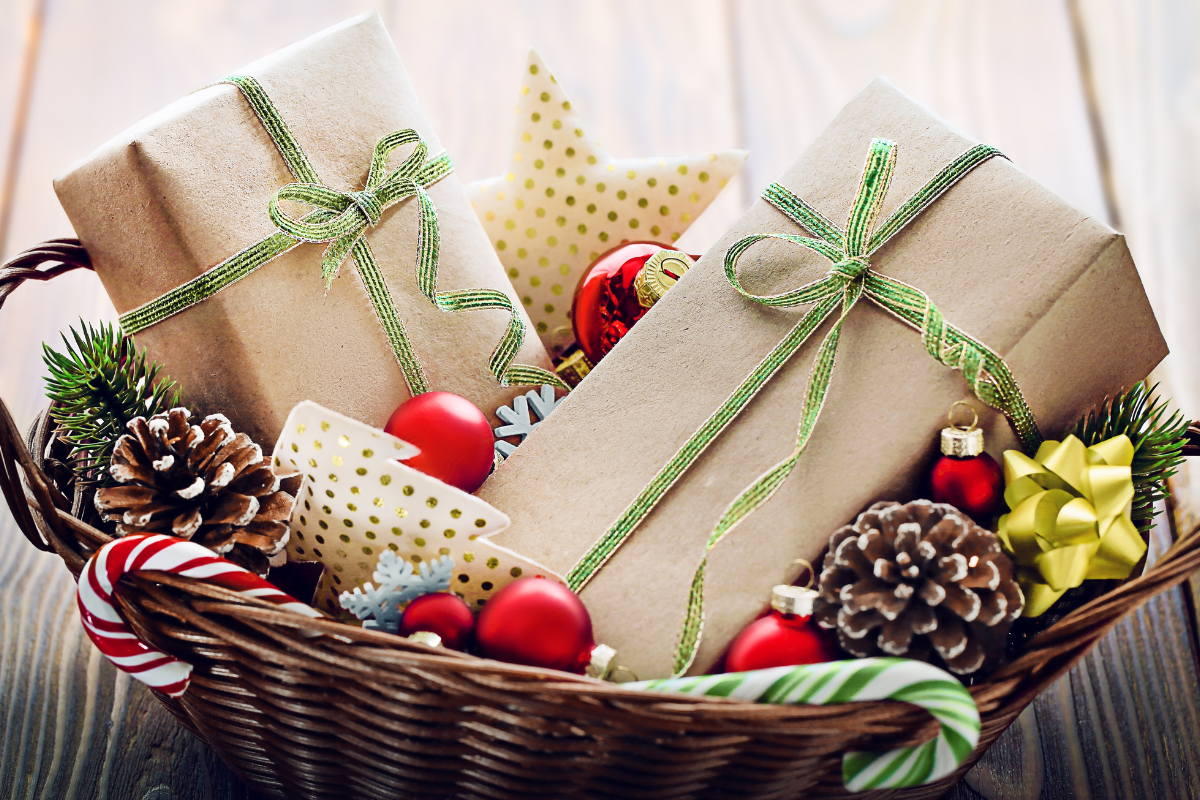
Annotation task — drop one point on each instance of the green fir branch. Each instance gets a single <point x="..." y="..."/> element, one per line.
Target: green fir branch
<point x="1158" y="442"/>
<point x="99" y="384"/>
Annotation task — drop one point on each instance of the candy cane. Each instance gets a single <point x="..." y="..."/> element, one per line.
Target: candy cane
<point x="914" y="682"/>
<point x="112" y="635"/>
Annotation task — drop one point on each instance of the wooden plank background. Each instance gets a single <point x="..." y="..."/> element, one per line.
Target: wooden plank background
<point x="651" y="78"/>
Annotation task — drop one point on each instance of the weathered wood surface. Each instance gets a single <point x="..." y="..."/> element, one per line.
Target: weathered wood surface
<point x="766" y="75"/>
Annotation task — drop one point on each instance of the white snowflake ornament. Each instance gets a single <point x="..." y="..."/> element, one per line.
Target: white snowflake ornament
<point x="399" y="582"/>
<point x="519" y="421"/>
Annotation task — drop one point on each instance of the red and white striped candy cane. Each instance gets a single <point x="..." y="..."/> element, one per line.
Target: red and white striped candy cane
<point x="168" y="554"/>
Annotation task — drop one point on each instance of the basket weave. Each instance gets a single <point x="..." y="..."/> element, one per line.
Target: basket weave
<point x="317" y="709"/>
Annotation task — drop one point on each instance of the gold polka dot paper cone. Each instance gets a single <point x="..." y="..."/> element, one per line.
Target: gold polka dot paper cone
<point x="562" y="200"/>
<point x="358" y="500"/>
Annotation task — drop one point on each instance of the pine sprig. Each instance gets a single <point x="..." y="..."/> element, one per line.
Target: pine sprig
<point x="99" y="384"/>
<point x="1158" y="442"/>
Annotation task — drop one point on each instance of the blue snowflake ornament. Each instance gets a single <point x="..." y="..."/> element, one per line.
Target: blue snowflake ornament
<point x="518" y="419"/>
<point x="399" y="582"/>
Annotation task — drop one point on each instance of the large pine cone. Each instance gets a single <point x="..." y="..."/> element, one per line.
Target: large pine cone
<point x="919" y="579"/>
<point x="200" y="482"/>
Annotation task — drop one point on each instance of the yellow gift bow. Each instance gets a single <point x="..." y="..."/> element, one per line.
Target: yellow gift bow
<point x="1070" y="518"/>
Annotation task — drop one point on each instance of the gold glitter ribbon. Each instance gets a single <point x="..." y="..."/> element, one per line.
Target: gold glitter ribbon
<point x="1070" y="518"/>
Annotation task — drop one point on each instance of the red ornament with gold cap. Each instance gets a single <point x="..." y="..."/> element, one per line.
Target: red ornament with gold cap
<point x="783" y="638"/>
<point x="965" y="476"/>
<point x="616" y="291"/>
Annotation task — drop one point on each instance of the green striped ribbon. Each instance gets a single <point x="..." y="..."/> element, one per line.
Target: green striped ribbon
<point x="849" y="280"/>
<point x="340" y="220"/>
<point x="864" y="679"/>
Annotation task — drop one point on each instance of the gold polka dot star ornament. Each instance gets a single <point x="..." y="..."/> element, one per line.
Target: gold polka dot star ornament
<point x="359" y="500"/>
<point x="563" y="200"/>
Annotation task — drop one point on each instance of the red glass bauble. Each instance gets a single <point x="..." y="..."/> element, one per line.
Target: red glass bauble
<point x="606" y="306"/>
<point x="778" y="640"/>
<point x="454" y="436"/>
<point x="442" y="613"/>
<point x="973" y="485"/>
<point x="539" y="623"/>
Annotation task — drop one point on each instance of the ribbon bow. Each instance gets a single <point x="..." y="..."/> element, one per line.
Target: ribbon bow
<point x="849" y="280"/>
<point x="343" y="217"/>
<point x="1070" y="518"/>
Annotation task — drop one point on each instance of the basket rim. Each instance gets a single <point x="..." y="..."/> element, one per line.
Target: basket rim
<point x="1172" y="567"/>
<point x="205" y="610"/>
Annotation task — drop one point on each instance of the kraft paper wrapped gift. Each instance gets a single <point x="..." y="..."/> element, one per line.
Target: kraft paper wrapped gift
<point x="1049" y="289"/>
<point x="189" y="187"/>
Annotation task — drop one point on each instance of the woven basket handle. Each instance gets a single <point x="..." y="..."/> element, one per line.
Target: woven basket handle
<point x="26" y="487"/>
<point x="64" y="255"/>
<point x="1192" y="448"/>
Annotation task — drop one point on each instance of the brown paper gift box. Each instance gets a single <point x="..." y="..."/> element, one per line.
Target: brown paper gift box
<point x="188" y="187"/>
<point x="1051" y="290"/>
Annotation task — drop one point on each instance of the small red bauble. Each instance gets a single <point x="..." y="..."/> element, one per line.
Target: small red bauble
<point x="973" y="485"/>
<point x="965" y="476"/>
<point x="441" y="613"/>
<point x="539" y="623"/>
<point x="606" y="302"/>
<point x="781" y="639"/>
<point x="454" y="436"/>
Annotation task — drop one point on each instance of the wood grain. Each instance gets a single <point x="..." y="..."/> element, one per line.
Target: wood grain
<point x="21" y="25"/>
<point x="14" y="29"/>
<point x="74" y="727"/>
<point x="762" y="74"/>
<point x="1121" y="724"/>
<point x="607" y="55"/>
<point x="1004" y="73"/>
<point x="1146" y="66"/>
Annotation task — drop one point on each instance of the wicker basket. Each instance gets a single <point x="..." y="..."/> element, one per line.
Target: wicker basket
<point x="316" y="709"/>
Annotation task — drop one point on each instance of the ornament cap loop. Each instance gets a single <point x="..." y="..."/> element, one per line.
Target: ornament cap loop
<point x="959" y="441"/>
<point x="974" y="416"/>
<point x="812" y="573"/>
<point x="796" y="600"/>
<point x="659" y="274"/>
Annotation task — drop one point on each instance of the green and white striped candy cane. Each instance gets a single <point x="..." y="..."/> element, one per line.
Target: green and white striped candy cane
<point x="914" y="682"/>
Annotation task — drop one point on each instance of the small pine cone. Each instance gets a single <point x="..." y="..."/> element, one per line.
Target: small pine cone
<point x="200" y="482"/>
<point x="919" y="580"/>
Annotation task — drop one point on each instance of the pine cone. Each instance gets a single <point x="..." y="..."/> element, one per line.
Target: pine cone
<point x="919" y="579"/>
<point x="200" y="482"/>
